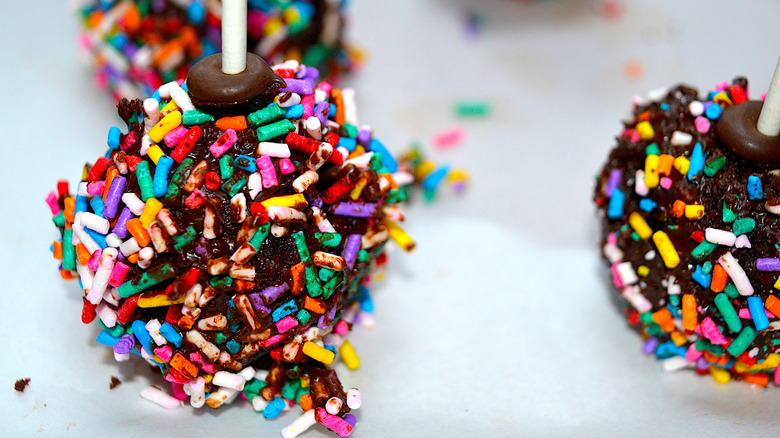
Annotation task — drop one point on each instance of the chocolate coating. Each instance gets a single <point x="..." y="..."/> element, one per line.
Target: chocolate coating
<point x="214" y="90"/>
<point x="737" y="130"/>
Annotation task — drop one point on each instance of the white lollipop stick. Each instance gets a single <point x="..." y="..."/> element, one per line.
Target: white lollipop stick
<point x="233" y="36"/>
<point x="769" y="119"/>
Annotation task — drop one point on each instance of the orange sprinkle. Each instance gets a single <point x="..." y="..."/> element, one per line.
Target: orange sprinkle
<point x="185" y="367"/>
<point x="168" y="49"/>
<point x="338" y="100"/>
<point x="719" y="278"/>
<point x="67" y="275"/>
<point x="389" y="178"/>
<point x="678" y="338"/>
<point x="772" y="304"/>
<point x="678" y="208"/>
<point x="689" y="316"/>
<point x="57" y="249"/>
<point x="298" y="278"/>
<point x="70" y="209"/>
<point x="243" y="285"/>
<point x="110" y="174"/>
<point x="306" y="402"/>
<point x="760" y="379"/>
<point x="644" y="117"/>
<point x="665" y="164"/>
<point x="133" y="258"/>
<point x="356" y="153"/>
<point x="236" y="123"/>
<point x="664" y="319"/>
<point x="82" y="254"/>
<point x="189" y="39"/>
<point x="136" y="228"/>
<point x="94" y="19"/>
<point x="314" y="305"/>
<point x="185" y="322"/>
<point x="132" y="20"/>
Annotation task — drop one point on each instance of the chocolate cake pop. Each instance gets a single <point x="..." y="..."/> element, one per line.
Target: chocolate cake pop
<point x="228" y="235"/>
<point x="689" y="201"/>
<point x="138" y="45"/>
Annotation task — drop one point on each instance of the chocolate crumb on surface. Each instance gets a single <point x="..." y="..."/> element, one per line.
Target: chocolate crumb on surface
<point x="114" y="382"/>
<point x="22" y="384"/>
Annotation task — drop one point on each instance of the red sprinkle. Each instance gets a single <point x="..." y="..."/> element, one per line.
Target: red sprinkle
<point x="299" y="143"/>
<point x="173" y="315"/>
<point x="88" y="312"/>
<point x="62" y="187"/>
<point x="125" y="312"/>
<point x="186" y="144"/>
<point x="258" y="210"/>
<point x="132" y="161"/>
<point x="213" y="181"/>
<point x="737" y="94"/>
<point x="98" y="171"/>
<point x="285" y="72"/>
<point x="697" y="236"/>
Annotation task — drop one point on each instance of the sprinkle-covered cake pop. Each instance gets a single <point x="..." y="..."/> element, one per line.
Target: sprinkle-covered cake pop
<point x="138" y="45"/>
<point x="689" y="200"/>
<point x="228" y="238"/>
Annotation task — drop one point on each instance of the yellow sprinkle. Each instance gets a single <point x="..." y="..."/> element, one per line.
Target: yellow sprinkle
<point x="208" y="377"/>
<point x="157" y="299"/>
<point x="643" y="271"/>
<point x="645" y="130"/>
<point x="164" y="126"/>
<point x="291" y="15"/>
<point x="316" y="352"/>
<point x="722" y="97"/>
<point x="639" y="225"/>
<point x="423" y="169"/>
<point x="152" y="207"/>
<point x="678" y="338"/>
<point x="84" y="173"/>
<point x="771" y="362"/>
<point x="666" y="249"/>
<point x="457" y="175"/>
<point x="170" y="106"/>
<point x="358" y="189"/>
<point x="348" y="355"/>
<point x="399" y="235"/>
<point x="682" y="164"/>
<point x="694" y="212"/>
<point x="305" y="382"/>
<point x="272" y="25"/>
<point x="777" y="283"/>
<point x="293" y="201"/>
<point x="651" y="171"/>
<point x="720" y="375"/>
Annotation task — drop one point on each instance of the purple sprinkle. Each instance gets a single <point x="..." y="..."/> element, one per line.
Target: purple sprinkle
<point x="200" y="249"/>
<point x="351" y="249"/>
<point x="257" y="303"/>
<point x="214" y="34"/>
<point x="308" y="72"/>
<point x="702" y="363"/>
<point x="650" y="345"/>
<point x="321" y="112"/>
<point x="158" y="6"/>
<point x="113" y="196"/>
<point x="364" y="137"/>
<point x="354" y="209"/>
<point x="613" y="181"/>
<point x="271" y="294"/>
<point x="120" y="229"/>
<point x="321" y="323"/>
<point x="129" y="50"/>
<point x="768" y="264"/>
<point x="125" y="344"/>
<point x="331" y="315"/>
<point x="303" y="87"/>
<point x="351" y="419"/>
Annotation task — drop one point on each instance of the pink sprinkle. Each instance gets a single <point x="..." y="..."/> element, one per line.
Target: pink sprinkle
<point x="341" y="328"/>
<point x="223" y="143"/>
<point x="285" y="324"/>
<point x="702" y="124"/>
<point x="118" y="274"/>
<point x="308" y="106"/>
<point x="666" y="183"/>
<point x="94" y="261"/>
<point x="96" y="188"/>
<point x="692" y="355"/>
<point x="612" y="238"/>
<point x="777" y="376"/>
<point x="711" y="332"/>
<point x="449" y="138"/>
<point x="271" y="341"/>
<point x="178" y="391"/>
<point x="84" y="42"/>
<point x="174" y="137"/>
<point x="763" y="96"/>
<point x="267" y="171"/>
<point x="101" y="80"/>
<point x="195" y="200"/>
<point x="325" y="86"/>
<point x="333" y="422"/>
<point x="722" y="86"/>
<point x="286" y="166"/>
<point x="164" y="353"/>
<point x="130" y="139"/>
<point x="51" y="200"/>
<point x="635" y="138"/>
<point x="616" y="280"/>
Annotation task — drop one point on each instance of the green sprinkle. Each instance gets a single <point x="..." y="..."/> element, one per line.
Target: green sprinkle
<point x="271" y="113"/>
<point x="220" y="338"/>
<point x="363" y="256"/>
<point x="290" y="388"/>
<point x="674" y="300"/>
<point x="316" y="55"/>
<point x="726" y="309"/>
<point x="350" y="129"/>
<point x="222" y="283"/>
<point x="116" y="331"/>
<point x="313" y="285"/>
<point x="376" y="162"/>
<point x="177" y="181"/>
<point x="326" y="274"/>
<point x="303" y="316"/>
<point x="704" y="249"/>
<point x="329" y="240"/>
<point x="646" y="317"/>
<point x="68" y="251"/>
<point x="706" y="267"/>
<point x="731" y="291"/>
<point x="743" y="226"/>
<point x="254" y="386"/>
<point x="332" y="285"/>
<point x="300" y="244"/>
<point x="398" y="195"/>
<point x="635" y="237"/>
<point x="225" y="167"/>
<point x="472" y="109"/>
<point x="147" y="280"/>
<point x="728" y="215"/>
<point x="260" y="235"/>
<point x="714" y="166"/>
<point x="195" y="117"/>
<point x="742" y="341"/>
<point x="274" y="130"/>
<point x="653" y="329"/>
<point x="182" y="240"/>
<point x="145" y="181"/>
<point x="705" y="345"/>
<point x="652" y="149"/>
<point x="234" y="185"/>
<point x="301" y="392"/>
<point x="59" y="220"/>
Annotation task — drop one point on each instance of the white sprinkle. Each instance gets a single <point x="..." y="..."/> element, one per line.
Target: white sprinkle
<point x="158" y="396"/>
<point x="680" y="138"/>
<point x="737" y="274"/>
<point x="720" y="237"/>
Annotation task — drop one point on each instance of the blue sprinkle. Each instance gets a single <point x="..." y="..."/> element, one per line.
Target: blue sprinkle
<point x="755" y="189"/>
<point x="140" y="332"/>
<point x="713" y="111"/>
<point x="366" y="303"/>
<point x="387" y="158"/>
<point x="433" y="179"/>
<point x="274" y="408"/>
<point x="331" y="348"/>
<point x="196" y="12"/>
<point x="233" y="346"/>
<point x="697" y="162"/>
<point x="245" y="162"/>
<point x="104" y="338"/>
<point x="81" y="204"/>
<point x="100" y="239"/>
<point x="287" y="308"/>
<point x="665" y="106"/>
<point x="615" y="209"/>
<point x="156" y="95"/>
<point x="97" y="205"/>
<point x="164" y="165"/>
<point x="349" y="143"/>
<point x="757" y="312"/>
<point x="647" y="205"/>
<point x="669" y="349"/>
<point x="332" y="109"/>
<point x="171" y="334"/>
<point x="294" y="112"/>
<point x="113" y="137"/>
<point x="703" y="279"/>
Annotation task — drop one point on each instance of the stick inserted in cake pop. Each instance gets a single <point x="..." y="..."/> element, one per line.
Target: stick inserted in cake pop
<point x="233" y="36"/>
<point x="769" y="119"/>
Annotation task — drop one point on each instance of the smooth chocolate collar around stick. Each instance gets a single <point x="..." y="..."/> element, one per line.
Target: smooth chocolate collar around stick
<point x="736" y="129"/>
<point x="212" y="89"/>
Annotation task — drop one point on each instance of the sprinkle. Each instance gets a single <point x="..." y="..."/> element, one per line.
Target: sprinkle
<point x="639" y="225"/>
<point x="697" y="162"/>
<point x="666" y="249"/>
<point x="616" y="204"/>
<point x="742" y="341"/>
<point x="737" y="274"/>
<point x="159" y="397"/>
<point x="318" y="353"/>
<point x="754" y="188"/>
<point x="757" y="312"/>
<point x="223" y="143"/>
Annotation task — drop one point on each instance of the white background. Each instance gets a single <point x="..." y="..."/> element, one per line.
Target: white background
<point x="500" y="323"/>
